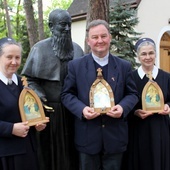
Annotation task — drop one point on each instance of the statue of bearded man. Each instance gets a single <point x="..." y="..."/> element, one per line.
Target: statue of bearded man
<point x="45" y="69"/>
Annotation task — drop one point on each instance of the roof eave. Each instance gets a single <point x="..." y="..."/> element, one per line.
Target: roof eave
<point x="79" y="17"/>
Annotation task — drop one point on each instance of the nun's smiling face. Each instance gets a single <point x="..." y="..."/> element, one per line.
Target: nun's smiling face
<point x="10" y="59"/>
<point x="146" y="56"/>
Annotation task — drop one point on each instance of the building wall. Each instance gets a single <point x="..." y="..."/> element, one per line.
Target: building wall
<point x="78" y="32"/>
<point x="153" y="15"/>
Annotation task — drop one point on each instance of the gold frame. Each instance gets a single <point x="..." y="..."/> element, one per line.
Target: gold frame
<point x="101" y="94"/>
<point x="30" y="106"/>
<point x="152" y="97"/>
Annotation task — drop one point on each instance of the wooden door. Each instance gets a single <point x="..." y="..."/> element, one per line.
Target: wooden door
<point x="165" y="52"/>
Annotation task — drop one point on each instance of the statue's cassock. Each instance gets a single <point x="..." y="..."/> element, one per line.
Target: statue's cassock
<point x="45" y="74"/>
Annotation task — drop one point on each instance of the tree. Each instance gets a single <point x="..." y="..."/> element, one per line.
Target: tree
<point x="31" y="23"/>
<point x="18" y="18"/>
<point x="8" y="22"/>
<point x="3" y="29"/>
<point x="40" y="20"/>
<point x="96" y="10"/>
<point x="122" y="22"/>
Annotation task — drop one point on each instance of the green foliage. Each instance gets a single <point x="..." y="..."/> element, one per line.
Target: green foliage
<point x="123" y="19"/>
<point x="3" y="31"/>
<point x="63" y="4"/>
<point x="23" y="39"/>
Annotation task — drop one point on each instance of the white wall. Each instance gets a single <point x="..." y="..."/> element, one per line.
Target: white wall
<point x="153" y="15"/>
<point x="78" y="32"/>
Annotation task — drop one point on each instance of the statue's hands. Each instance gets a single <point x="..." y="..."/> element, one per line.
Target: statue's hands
<point x="45" y="105"/>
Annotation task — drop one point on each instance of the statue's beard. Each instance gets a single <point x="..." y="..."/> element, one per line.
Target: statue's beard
<point x="63" y="47"/>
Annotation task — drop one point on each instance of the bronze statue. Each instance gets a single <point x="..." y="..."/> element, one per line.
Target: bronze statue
<point x="45" y="69"/>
